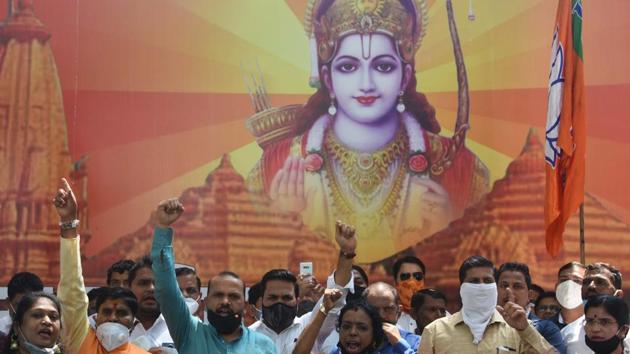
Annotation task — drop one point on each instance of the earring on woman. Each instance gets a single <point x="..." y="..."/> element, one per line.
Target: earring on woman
<point x="332" y="109"/>
<point x="400" y="107"/>
<point x="15" y="345"/>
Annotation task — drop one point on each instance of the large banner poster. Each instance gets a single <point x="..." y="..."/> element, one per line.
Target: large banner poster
<point x="421" y="125"/>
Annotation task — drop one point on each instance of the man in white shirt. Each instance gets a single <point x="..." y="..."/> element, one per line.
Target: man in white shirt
<point x="280" y="293"/>
<point x="150" y="330"/>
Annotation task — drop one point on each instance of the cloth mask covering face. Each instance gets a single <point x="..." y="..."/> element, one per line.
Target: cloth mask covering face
<point x="112" y="335"/>
<point x="406" y="289"/>
<point x="224" y="324"/>
<point x="569" y="294"/>
<point x="278" y="316"/>
<point x="193" y="305"/>
<point x="33" y="349"/>
<point x="478" y="304"/>
<point x="604" y="347"/>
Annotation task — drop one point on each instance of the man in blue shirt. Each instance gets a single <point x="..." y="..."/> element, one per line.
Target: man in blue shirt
<point x="513" y="282"/>
<point x="225" y="302"/>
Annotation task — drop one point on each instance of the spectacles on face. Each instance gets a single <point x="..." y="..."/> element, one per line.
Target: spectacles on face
<point x="548" y="308"/>
<point x="407" y="276"/>
<point x="602" y="322"/>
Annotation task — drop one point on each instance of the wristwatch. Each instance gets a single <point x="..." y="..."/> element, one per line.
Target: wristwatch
<point x="69" y="225"/>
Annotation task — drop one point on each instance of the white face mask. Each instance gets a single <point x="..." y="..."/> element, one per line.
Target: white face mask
<point x="569" y="294"/>
<point x="192" y="304"/>
<point x="478" y="304"/>
<point x="112" y="335"/>
<point x="33" y="349"/>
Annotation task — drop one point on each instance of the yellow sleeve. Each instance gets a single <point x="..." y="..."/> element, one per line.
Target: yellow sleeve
<point x="426" y="341"/>
<point x="534" y="343"/>
<point x="72" y="295"/>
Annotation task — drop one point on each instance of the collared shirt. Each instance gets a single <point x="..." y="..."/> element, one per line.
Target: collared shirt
<point x="451" y="335"/>
<point x="407" y="322"/>
<point x="574" y="337"/>
<point x="191" y="336"/>
<point x="157" y="334"/>
<point x="286" y="340"/>
<point x="76" y="334"/>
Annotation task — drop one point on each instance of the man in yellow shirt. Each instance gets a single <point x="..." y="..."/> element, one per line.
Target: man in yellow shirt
<point x="116" y="307"/>
<point x="481" y="326"/>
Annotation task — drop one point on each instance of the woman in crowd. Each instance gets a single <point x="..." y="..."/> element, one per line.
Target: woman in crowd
<point x="36" y="325"/>
<point x="359" y="325"/>
<point x="606" y="324"/>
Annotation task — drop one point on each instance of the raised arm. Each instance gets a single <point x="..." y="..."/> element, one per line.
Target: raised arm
<point x="344" y="236"/>
<point x="307" y="338"/>
<point x="71" y="290"/>
<point x="178" y="318"/>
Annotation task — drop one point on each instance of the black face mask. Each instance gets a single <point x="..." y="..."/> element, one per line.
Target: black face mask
<point x="356" y="296"/>
<point x="603" y="347"/>
<point x="224" y="324"/>
<point x="278" y="316"/>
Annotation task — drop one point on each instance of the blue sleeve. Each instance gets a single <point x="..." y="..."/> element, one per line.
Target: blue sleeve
<point x="178" y="319"/>
<point x="402" y="347"/>
<point x="409" y="344"/>
<point x="552" y="334"/>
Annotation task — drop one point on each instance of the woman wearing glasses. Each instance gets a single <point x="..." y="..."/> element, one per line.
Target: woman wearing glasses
<point x="606" y="325"/>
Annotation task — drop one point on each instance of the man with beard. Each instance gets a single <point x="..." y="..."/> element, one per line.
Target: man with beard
<point x="481" y="326"/>
<point x="225" y="303"/>
<point x="599" y="279"/>
<point x="151" y="330"/>
<point x="427" y="305"/>
<point x="280" y="293"/>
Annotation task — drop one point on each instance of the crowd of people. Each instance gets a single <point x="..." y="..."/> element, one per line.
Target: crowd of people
<point x="155" y="305"/>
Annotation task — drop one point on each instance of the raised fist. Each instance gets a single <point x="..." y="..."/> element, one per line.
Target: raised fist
<point x="168" y="211"/>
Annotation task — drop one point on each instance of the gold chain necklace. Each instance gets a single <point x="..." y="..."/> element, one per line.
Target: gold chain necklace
<point x="365" y="173"/>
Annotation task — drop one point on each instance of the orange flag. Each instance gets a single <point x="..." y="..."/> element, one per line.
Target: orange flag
<point x="565" y="135"/>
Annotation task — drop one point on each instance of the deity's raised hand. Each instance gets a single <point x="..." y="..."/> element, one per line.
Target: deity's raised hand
<point x="345" y="237"/>
<point x="436" y="204"/>
<point x="168" y="211"/>
<point x="65" y="202"/>
<point x="287" y="186"/>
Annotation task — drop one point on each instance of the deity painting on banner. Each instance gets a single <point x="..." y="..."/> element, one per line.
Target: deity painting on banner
<point x="365" y="147"/>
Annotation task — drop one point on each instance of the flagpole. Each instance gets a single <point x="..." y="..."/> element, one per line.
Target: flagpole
<point x="582" y="243"/>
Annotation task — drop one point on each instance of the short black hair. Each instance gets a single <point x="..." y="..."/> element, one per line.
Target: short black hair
<point x="254" y="293"/>
<point x="227" y="273"/>
<point x="516" y="267"/>
<point x="615" y="307"/>
<point x="474" y="262"/>
<point x="616" y="274"/>
<point x="23" y="283"/>
<point x="144" y="262"/>
<point x="116" y="293"/>
<point x="188" y="271"/>
<point x="546" y="294"/>
<point x="407" y="259"/>
<point x="378" y="335"/>
<point x="94" y="293"/>
<point x="417" y="300"/>
<point x="570" y="265"/>
<point x="362" y="272"/>
<point x="280" y="274"/>
<point x="121" y="266"/>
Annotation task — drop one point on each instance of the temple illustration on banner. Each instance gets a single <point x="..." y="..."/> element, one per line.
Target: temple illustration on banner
<point x="34" y="153"/>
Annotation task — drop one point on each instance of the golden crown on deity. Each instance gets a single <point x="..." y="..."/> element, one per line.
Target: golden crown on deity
<point x="328" y="21"/>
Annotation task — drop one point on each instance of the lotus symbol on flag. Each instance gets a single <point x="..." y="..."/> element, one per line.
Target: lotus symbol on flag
<point x="554" y="108"/>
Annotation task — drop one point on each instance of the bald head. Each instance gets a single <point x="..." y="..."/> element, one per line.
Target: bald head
<point x="226" y="292"/>
<point x="384" y="298"/>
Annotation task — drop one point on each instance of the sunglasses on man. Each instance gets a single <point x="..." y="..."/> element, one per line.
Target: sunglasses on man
<point x="407" y="276"/>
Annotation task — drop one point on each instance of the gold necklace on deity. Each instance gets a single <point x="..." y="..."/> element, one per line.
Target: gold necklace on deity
<point x="365" y="173"/>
